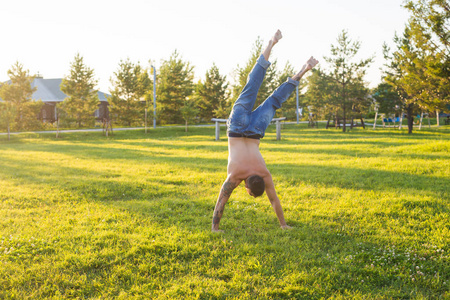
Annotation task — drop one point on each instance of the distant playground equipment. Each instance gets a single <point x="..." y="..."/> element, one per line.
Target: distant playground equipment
<point x="312" y="118"/>
<point x="391" y="120"/>
<point x="396" y="122"/>
<point x="445" y="115"/>
<point x="107" y="126"/>
<point x="420" y="117"/>
<point x="338" y="121"/>
<point x="299" y="113"/>
<point x="312" y="121"/>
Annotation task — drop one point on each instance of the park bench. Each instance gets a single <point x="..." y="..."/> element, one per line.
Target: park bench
<point x="276" y="120"/>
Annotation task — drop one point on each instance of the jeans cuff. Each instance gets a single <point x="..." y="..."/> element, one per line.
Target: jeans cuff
<point x="292" y="81"/>
<point x="263" y="62"/>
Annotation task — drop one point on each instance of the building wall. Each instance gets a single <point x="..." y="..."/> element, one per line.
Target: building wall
<point x="48" y="112"/>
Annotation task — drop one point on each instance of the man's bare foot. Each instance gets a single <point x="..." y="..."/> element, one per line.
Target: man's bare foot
<point x="216" y="230"/>
<point x="311" y="63"/>
<point x="276" y="37"/>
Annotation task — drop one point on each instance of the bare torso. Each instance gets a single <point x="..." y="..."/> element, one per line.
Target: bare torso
<point x="244" y="159"/>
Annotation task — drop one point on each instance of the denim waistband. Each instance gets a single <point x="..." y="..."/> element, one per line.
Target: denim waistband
<point x="235" y="134"/>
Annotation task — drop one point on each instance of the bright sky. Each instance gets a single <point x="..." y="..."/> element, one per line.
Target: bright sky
<point x="45" y="35"/>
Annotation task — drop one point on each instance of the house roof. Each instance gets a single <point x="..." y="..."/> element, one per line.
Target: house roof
<point x="49" y="90"/>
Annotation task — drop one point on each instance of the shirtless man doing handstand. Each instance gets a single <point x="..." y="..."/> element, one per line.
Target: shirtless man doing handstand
<point x="246" y="128"/>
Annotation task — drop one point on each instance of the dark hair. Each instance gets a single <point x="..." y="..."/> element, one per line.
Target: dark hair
<point x="256" y="184"/>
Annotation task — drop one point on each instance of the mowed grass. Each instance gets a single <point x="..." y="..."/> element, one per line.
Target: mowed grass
<point x="85" y="216"/>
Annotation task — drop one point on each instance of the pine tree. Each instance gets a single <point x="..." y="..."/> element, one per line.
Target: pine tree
<point x="174" y="86"/>
<point x="189" y="111"/>
<point x="387" y="99"/>
<point x="419" y="67"/>
<point x="19" y="110"/>
<point x="429" y="27"/>
<point x="82" y="97"/>
<point x="406" y="71"/>
<point x="323" y="94"/>
<point x="7" y="114"/>
<point x="348" y="75"/>
<point x="131" y="91"/>
<point x="212" y="95"/>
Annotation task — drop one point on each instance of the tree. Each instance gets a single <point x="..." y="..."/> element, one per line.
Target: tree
<point x="407" y="70"/>
<point x="348" y="75"/>
<point x="6" y="116"/>
<point x="323" y="94"/>
<point x="270" y="80"/>
<point x="387" y="99"/>
<point x="429" y="27"/>
<point x="174" y="86"/>
<point x="188" y="111"/>
<point x="20" y="110"/>
<point x="212" y="95"/>
<point x="430" y="21"/>
<point x="419" y="67"/>
<point x="132" y="89"/>
<point x="82" y="98"/>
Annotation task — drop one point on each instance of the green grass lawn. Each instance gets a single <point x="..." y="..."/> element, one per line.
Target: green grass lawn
<point x="129" y="216"/>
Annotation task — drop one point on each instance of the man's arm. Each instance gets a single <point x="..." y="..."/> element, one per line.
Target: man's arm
<point x="273" y="198"/>
<point x="225" y="192"/>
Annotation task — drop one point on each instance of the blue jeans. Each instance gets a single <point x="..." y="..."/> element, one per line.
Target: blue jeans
<point x="243" y="121"/>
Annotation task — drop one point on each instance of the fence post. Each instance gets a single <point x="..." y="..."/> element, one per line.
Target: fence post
<point x="278" y="123"/>
<point x="217" y="130"/>
<point x="375" y="121"/>
<point x="146" y="120"/>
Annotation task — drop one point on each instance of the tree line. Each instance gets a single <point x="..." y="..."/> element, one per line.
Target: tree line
<point x="415" y="78"/>
<point x="417" y="70"/>
<point x="179" y="98"/>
